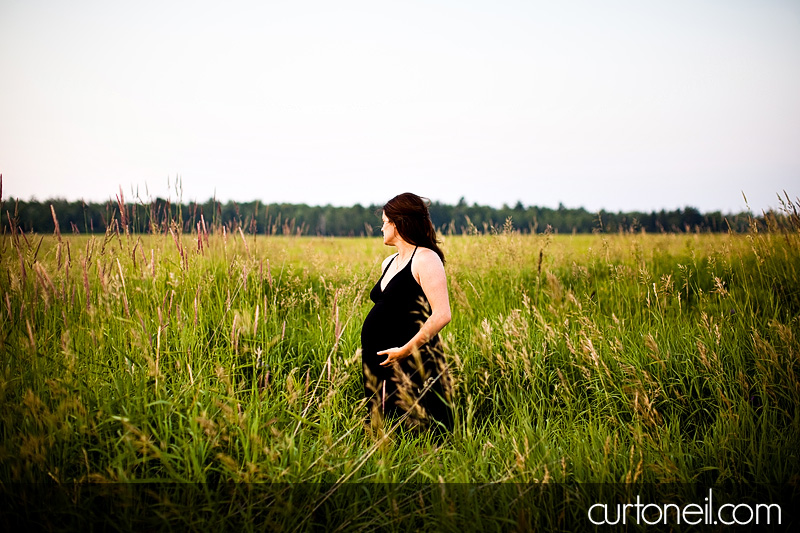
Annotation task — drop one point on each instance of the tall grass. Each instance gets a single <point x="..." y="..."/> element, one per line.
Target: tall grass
<point x="219" y="357"/>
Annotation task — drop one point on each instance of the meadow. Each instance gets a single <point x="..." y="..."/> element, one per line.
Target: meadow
<point x="212" y="380"/>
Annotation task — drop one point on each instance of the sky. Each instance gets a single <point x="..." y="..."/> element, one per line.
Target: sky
<point x="615" y="105"/>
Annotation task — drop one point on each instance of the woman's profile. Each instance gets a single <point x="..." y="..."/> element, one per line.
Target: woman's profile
<point x="404" y="368"/>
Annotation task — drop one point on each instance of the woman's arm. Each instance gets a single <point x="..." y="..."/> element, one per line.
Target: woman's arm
<point x="432" y="279"/>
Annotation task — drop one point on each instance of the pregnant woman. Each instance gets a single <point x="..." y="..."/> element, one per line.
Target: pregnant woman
<point x="404" y="368"/>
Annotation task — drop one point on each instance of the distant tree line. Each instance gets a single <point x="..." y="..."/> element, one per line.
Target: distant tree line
<point x="300" y="219"/>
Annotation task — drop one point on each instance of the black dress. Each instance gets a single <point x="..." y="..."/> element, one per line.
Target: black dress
<point x="419" y="384"/>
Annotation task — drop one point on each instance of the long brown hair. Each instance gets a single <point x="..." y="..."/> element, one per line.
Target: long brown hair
<point x="410" y="215"/>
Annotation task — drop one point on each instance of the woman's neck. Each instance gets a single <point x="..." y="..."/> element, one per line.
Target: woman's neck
<point x="404" y="250"/>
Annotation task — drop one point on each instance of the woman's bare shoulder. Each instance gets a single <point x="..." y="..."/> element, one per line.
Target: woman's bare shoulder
<point x="386" y="261"/>
<point x="427" y="258"/>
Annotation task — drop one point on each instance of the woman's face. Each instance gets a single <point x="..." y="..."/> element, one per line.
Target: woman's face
<point x="389" y="230"/>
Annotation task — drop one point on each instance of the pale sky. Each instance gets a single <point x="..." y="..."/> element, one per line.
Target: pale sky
<point x="620" y="105"/>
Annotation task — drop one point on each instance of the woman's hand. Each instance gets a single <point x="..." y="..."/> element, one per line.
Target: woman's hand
<point x="393" y="355"/>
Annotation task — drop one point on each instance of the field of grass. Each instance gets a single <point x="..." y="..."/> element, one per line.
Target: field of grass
<point x="221" y="360"/>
